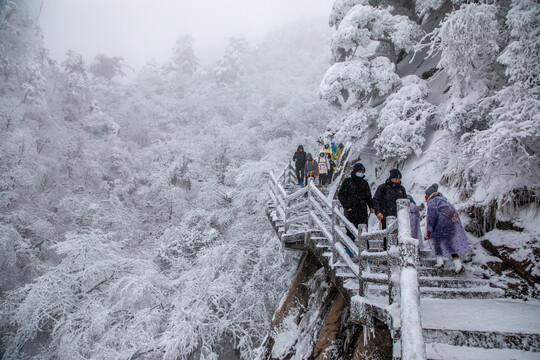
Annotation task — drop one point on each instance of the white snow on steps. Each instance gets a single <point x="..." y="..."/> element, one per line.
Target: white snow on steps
<point x="493" y="315"/>
<point x="437" y="351"/>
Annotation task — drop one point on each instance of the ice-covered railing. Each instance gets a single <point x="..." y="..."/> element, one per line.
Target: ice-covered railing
<point x="309" y="211"/>
<point x="412" y="338"/>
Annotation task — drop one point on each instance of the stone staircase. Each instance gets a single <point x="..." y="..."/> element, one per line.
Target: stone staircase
<point x="463" y="316"/>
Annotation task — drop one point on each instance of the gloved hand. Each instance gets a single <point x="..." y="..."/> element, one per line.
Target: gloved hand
<point x="429" y="235"/>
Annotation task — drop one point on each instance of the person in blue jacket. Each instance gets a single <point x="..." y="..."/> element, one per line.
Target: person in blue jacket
<point x="311" y="167"/>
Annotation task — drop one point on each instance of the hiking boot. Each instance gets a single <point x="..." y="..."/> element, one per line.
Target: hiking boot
<point x="459" y="266"/>
<point x="440" y="263"/>
<point x="301" y="184"/>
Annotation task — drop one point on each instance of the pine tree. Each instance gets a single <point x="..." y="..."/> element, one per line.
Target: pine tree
<point x="184" y="58"/>
<point x="231" y="65"/>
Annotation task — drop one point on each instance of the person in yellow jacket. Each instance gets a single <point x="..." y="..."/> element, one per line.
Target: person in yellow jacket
<point x="339" y="150"/>
<point x="327" y="150"/>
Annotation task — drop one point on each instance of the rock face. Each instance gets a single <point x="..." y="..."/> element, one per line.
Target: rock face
<point x="313" y="323"/>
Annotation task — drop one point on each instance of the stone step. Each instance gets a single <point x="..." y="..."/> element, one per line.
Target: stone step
<point x="346" y="274"/>
<point x="442" y="351"/>
<point x="322" y="246"/>
<point x="424" y="271"/>
<point x="461" y="293"/>
<point x="484" y="339"/>
<point x="445" y="293"/>
<point x="452" y="282"/>
<point x="439" y="278"/>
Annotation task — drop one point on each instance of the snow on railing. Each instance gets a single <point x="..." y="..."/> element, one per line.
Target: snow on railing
<point x="324" y="216"/>
<point x="412" y="339"/>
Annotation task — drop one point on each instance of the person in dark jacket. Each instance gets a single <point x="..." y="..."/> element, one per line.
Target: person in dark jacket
<point x="331" y="169"/>
<point x="384" y="201"/>
<point x="355" y="197"/>
<point x="299" y="159"/>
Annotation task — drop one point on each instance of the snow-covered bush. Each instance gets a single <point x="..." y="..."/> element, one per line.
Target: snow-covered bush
<point x="403" y="121"/>
<point x="364" y="24"/>
<point x="510" y="145"/>
<point x="341" y="8"/>
<point x="356" y="79"/>
<point x="351" y="125"/>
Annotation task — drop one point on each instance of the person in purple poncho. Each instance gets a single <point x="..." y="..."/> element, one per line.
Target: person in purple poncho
<point x="444" y="230"/>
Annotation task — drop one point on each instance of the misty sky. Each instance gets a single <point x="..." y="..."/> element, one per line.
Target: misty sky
<point x="141" y="30"/>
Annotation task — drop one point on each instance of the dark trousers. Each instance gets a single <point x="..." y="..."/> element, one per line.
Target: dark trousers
<point x="383" y="226"/>
<point x="322" y="179"/>
<point x="329" y="177"/>
<point x="300" y="174"/>
<point x="355" y="220"/>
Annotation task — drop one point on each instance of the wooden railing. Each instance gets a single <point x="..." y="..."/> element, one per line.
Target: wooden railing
<point x="310" y="210"/>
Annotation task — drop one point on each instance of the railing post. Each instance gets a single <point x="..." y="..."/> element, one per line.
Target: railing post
<point x="361" y="247"/>
<point x="412" y="340"/>
<point x="333" y="210"/>
<point x="288" y="177"/>
<point x="310" y="211"/>
<point x="391" y="242"/>
<point x="287" y="214"/>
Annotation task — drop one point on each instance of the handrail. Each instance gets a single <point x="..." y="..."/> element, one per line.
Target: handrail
<point x="311" y="205"/>
<point x="412" y="339"/>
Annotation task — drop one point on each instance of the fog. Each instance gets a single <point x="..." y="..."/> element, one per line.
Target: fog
<point x="141" y="30"/>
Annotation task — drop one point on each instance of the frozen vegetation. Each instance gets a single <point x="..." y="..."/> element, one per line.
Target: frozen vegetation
<point x="132" y="215"/>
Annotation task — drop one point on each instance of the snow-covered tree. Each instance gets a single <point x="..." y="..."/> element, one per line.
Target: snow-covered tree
<point x="341" y="8"/>
<point x="357" y="80"/>
<point x="108" y="66"/>
<point x="467" y="40"/>
<point x="521" y="56"/>
<point x="76" y="86"/>
<point x="95" y="220"/>
<point x="364" y="25"/>
<point x="364" y="50"/>
<point x="231" y="65"/>
<point x="184" y="57"/>
<point x="403" y="121"/>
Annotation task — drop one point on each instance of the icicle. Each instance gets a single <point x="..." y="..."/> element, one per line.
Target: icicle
<point x="364" y="330"/>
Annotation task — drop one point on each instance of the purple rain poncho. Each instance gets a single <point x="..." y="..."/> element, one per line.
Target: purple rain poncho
<point x="416" y="231"/>
<point x="447" y="234"/>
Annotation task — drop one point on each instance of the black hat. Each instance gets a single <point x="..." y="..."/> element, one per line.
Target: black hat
<point x="358" y="167"/>
<point x="395" y="173"/>
<point x="432" y="189"/>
